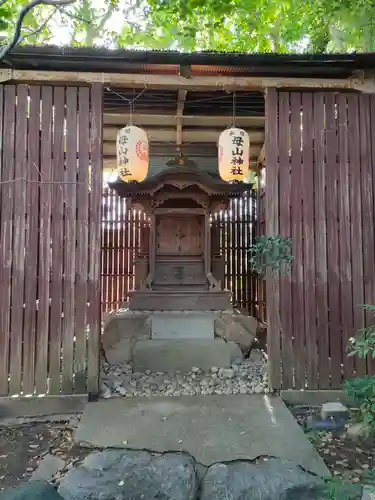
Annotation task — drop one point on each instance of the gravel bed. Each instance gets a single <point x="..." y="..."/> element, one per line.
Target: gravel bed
<point x="247" y="377"/>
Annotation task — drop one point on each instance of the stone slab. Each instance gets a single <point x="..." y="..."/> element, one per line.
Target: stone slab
<point x="210" y="428"/>
<point x="184" y="354"/>
<point x="177" y="300"/>
<point x="48" y="467"/>
<point x="176" y="325"/>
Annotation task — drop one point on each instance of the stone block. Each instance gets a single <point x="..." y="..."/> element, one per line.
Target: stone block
<point x="121" y="332"/>
<point x="33" y="490"/>
<point x="183" y="355"/>
<point x="175" y="325"/>
<point x="125" y="475"/>
<point x="269" y="480"/>
<point x="48" y="467"/>
<point x="237" y="328"/>
<point x="335" y="410"/>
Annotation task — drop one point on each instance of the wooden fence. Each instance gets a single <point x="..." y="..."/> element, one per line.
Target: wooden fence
<point x="50" y="194"/>
<point x="320" y="155"/>
<point x="121" y="230"/>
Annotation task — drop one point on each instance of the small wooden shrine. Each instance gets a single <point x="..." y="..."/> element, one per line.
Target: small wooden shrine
<point x="179" y="266"/>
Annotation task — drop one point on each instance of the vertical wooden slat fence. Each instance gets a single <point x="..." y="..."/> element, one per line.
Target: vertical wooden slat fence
<point x="320" y="192"/>
<point x="50" y="195"/>
<point x="121" y="239"/>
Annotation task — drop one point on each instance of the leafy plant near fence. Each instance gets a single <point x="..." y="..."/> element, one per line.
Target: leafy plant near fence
<point x="271" y="253"/>
<point x="361" y="390"/>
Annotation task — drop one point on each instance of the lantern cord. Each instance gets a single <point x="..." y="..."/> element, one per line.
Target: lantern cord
<point x="234" y="109"/>
<point x="130" y="101"/>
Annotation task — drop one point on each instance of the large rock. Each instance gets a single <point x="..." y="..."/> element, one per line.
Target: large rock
<point x="121" y="332"/>
<point x="238" y="328"/>
<point x="274" y="479"/>
<point x="35" y="490"/>
<point x="131" y="475"/>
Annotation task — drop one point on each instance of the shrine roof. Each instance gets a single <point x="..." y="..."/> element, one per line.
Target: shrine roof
<point x="188" y="173"/>
<point x="98" y="59"/>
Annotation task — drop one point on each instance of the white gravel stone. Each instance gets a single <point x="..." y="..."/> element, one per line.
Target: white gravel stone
<point x="246" y="378"/>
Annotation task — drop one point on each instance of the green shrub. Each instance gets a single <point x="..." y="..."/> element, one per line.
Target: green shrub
<point x="273" y="253"/>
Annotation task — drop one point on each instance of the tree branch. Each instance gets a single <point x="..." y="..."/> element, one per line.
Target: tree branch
<point x="38" y="30"/>
<point x="17" y="32"/>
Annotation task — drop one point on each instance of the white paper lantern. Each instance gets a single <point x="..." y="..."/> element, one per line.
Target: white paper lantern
<point x="234" y="154"/>
<point x="132" y="154"/>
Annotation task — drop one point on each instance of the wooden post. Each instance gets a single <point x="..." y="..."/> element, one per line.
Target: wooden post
<point x="152" y="246"/>
<point x="207" y="243"/>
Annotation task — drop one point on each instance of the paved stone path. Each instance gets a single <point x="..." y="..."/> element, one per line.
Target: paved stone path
<point x="210" y="428"/>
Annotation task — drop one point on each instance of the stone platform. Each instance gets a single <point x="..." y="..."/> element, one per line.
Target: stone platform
<point x="179" y="300"/>
<point x="184" y="354"/>
<point x="176" y="325"/>
<point x="129" y="334"/>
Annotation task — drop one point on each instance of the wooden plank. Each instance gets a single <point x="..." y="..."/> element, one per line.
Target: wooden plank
<point x="132" y="249"/>
<point x="367" y="208"/>
<point x="32" y="229"/>
<point x="127" y="246"/>
<point x="94" y="317"/>
<point x="7" y="196"/>
<point x="41" y="371"/>
<point x="70" y="207"/>
<point x="80" y="358"/>
<point x="346" y="292"/>
<point x="332" y="173"/>
<point x="193" y="82"/>
<point x="4" y="338"/>
<point x="314" y="397"/>
<point x="57" y="232"/>
<point x="45" y="409"/>
<point x="372" y="142"/>
<point x="169" y="135"/>
<point x="297" y="234"/>
<point x="243" y="253"/>
<point x="309" y="235"/>
<point x="286" y="319"/>
<point x="356" y="233"/>
<point x="167" y="118"/>
<point x="18" y="261"/>
<point x="237" y="256"/>
<point x="272" y="216"/>
<point x="321" y="241"/>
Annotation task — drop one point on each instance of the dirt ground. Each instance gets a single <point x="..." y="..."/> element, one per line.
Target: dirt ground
<point x="23" y="444"/>
<point x="352" y="460"/>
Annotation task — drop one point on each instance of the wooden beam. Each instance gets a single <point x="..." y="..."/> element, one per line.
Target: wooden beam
<point x="192" y="152"/>
<point x="167" y="119"/>
<point x="362" y="84"/>
<point x="180" y="111"/>
<point x="261" y="157"/>
<point x="169" y="135"/>
<point x="198" y="150"/>
<point x="110" y="165"/>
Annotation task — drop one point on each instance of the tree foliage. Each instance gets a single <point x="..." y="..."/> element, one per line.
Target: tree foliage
<point x="267" y="26"/>
<point x="223" y="25"/>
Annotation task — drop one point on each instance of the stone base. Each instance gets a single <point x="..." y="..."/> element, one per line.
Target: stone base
<point x="179" y="300"/>
<point x="183" y="355"/>
<point x="121" y="331"/>
<point x="175" y="325"/>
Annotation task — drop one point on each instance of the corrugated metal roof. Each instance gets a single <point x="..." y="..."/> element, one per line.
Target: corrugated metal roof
<point x="50" y="58"/>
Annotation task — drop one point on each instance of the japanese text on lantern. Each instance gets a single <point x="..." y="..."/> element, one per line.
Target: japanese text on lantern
<point x="237" y="152"/>
<point x="123" y="159"/>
